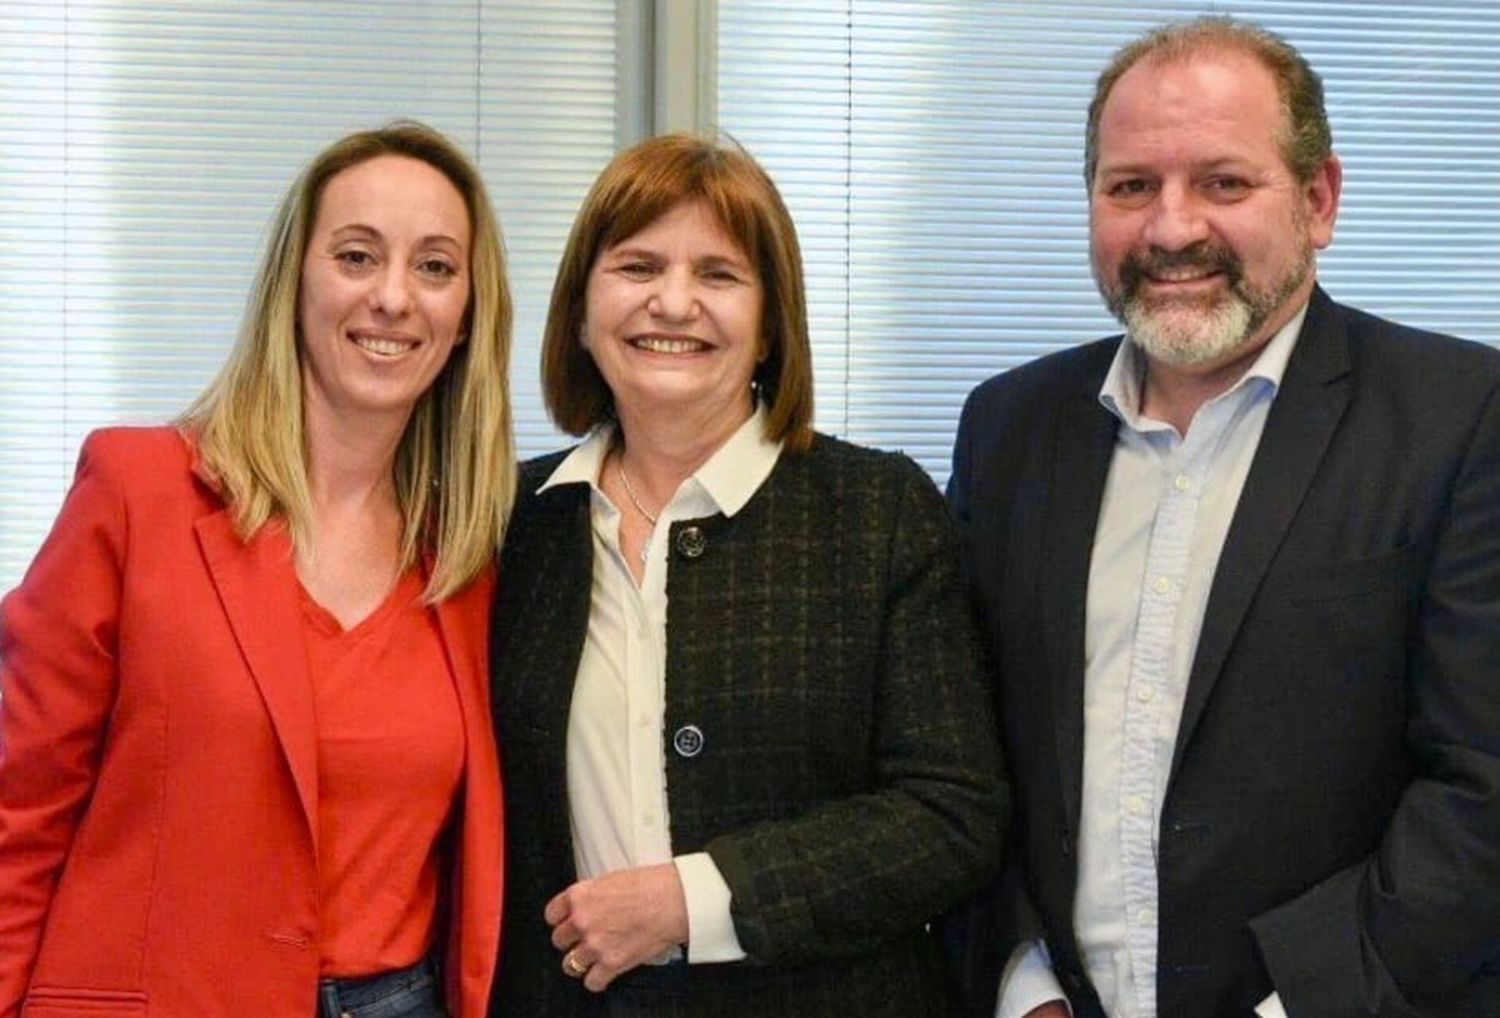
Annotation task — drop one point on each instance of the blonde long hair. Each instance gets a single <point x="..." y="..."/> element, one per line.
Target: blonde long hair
<point x="455" y="470"/>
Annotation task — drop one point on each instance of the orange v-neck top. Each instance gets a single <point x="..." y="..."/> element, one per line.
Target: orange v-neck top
<point x="390" y="760"/>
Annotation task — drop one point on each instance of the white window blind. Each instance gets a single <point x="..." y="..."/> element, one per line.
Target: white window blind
<point x="144" y="146"/>
<point x="929" y="150"/>
<point x="931" y="153"/>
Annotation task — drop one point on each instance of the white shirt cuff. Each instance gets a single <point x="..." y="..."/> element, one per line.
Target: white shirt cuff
<point x="711" y="936"/>
<point x="1271" y="1007"/>
<point x="1028" y="982"/>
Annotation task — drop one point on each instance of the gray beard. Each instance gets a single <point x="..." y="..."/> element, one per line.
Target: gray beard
<point x="1189" y="332"/>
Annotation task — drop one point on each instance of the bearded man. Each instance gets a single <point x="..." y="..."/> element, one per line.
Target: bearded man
<point x="1240" y="574"/>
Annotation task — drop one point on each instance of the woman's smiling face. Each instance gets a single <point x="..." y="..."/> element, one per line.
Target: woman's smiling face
<point x="385" y="287"/>
<point x="673" y="319"/>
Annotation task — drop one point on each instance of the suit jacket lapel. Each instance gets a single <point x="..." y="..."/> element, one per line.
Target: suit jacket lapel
<point x="479" y="863"/>
<point x="257" y="585"/>
<point x="1301" y="422"/>
<point x="559" y="625"/>
<point x="539" y="628"/>
<point x="1081" y="451"/>
<point x="462" y="618"/>
<point x="463" y="622"/>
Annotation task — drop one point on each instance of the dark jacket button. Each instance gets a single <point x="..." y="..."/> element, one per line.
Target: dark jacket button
<point x="691" y="542"/>
<point x="688" y="741"/>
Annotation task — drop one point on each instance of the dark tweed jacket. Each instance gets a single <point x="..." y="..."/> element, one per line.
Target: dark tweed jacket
<point x="847" y="787"/>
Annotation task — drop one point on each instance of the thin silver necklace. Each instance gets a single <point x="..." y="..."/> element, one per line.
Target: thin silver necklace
<point x="630" y="490"/>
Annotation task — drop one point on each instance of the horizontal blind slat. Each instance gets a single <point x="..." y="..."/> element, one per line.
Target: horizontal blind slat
<point x="145" y="144"/>
<point x="930" y="153"/>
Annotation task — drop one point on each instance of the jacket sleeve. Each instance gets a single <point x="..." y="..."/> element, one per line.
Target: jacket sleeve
<point x="853" y="872"/>
<point x="57" y="688"/>
<point x="1418" y="921"/>
<point x="981" y="935"/>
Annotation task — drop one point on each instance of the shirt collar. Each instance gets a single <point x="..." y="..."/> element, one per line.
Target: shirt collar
<point x="581" y="466"/>
<point x="1121" y="392"/>
<point x="729" y="477"/>
<point x="741" y="465"/>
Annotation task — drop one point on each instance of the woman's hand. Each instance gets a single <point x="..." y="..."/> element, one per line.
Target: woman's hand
<point x="613" y="923"/>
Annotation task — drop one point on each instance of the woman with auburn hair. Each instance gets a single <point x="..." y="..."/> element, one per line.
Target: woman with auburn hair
<point x="246" y="764"/>
<point x="746" y="732"/>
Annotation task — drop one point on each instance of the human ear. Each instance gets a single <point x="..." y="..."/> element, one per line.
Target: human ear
<point x="1322" y="196"/>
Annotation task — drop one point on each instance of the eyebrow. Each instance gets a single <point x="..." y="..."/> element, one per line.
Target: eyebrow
<point x="731" y="261"/>
<point x="631" y="252"/>
<point x="1228" y="162"/>
<point x="1135" y="168"/>
<point x="364" y="230"/>
<point x="1119" y="169"/>
<point x="637" y="251"/>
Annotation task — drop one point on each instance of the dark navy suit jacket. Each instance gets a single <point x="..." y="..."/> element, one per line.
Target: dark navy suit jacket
<point x="1331" y="825"/>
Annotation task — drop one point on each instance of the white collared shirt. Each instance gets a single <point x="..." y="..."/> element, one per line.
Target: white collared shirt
<point x="1166" y="509"/>
<point x="617" y="784"/>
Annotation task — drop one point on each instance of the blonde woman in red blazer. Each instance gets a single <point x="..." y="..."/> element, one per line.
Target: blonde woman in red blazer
<point x="246" y="763"/>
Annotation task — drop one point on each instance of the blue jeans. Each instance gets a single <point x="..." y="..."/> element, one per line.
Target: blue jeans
<point x="405" y="993"/>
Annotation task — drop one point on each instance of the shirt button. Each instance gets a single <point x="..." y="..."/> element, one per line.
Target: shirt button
<point x="1136" y="805"/>
<point x="1145" y="916"/>
<point x="648" y="819"/>
<point x="1182" y="482"/>
<point x="1161" y="585"/>
<point x="1145" y="694"/>
<point x="691" y="542"/>
<point x="688" y="741"/>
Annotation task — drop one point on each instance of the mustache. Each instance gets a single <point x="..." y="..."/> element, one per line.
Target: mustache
<point x="1155" y="261"/>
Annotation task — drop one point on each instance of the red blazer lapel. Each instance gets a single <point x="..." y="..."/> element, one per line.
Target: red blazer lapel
<point x="257" y="586"/>
<point x="474" y="940"/>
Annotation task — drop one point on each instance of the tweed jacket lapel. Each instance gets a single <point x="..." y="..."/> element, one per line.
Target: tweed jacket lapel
<point x="257" y="585"/>
<point x="1081" y="451"/>
<point x="540" y="622"/>
<point x="557" y="605"/>
<point x="1302" y="420"/>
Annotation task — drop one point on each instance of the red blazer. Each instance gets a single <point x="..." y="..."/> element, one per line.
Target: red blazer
<point x="158" y="778"/>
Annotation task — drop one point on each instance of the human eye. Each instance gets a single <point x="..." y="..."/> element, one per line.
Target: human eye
<point x="1129" y="189"/>
<point x="722" y="275"/>
<point x="355" y="258"/>
<point x="636" y="268"/>
<point x="437" y="268"/>
<point x="1226" y="188"/>
<point x="723" y="271"/>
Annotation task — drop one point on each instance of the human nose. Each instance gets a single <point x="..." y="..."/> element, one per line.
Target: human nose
<point x="392" y="292"/>
<point x="674" y="297"/>
<point x="1176" y="221"/>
